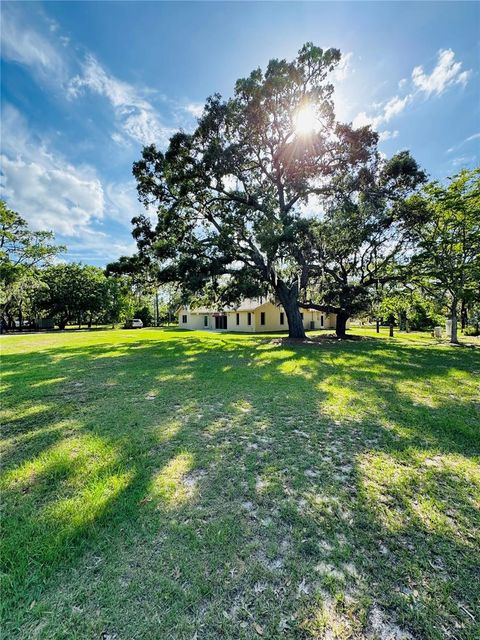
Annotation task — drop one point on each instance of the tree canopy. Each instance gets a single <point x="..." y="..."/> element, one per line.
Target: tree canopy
<point x="22" y="253"/>
<point x="362" y="239"/>
<point x="230" y="195"/>
<point x="447" y="239"/>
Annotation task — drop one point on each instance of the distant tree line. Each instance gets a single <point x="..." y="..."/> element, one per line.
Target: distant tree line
<point x="35" y="285"/>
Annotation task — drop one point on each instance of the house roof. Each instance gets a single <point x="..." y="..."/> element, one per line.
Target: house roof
<point x="249" y="304"/>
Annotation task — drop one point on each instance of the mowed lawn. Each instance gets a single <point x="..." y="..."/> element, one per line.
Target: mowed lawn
<point x="164" y="484"/>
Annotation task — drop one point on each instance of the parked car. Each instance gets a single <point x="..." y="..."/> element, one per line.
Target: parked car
<point x="134" y="323"/>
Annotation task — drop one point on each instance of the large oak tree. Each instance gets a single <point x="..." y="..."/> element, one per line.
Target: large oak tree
<point x="230" y="195"/>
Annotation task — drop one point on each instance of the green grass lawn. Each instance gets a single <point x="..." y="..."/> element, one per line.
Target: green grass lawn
<point x="185" y="485"/>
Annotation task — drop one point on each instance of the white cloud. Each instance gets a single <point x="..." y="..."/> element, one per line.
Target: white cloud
<point x="474" y="136"/>
<point x="42" y="186"/>
<point x="446" y="73"/>
<point x="395" y="106"/>
<point x="362" y="120"/>
<point x="122" y="203"/>
<point x="20" y="43"/>
<point x="391" y="108"/>
<point x="119" y="139"/>
<point x="46" y="57"/>
<point x="135" y="115"/>
<point x="52" y="194"/>
<point x="463" y="161"/>
<point x="344" y="68"/>
<point x="53" y="25"/>
<point x="142" y="124"/>
<point x="194" y="108"/>
<point x="388" y="135"/>
<point x="99" y="247"/>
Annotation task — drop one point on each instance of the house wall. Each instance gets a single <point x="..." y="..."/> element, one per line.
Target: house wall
<point x="272" y="318"/>
<point x="195" y="321"/>
<point x="329" y="319"/>
<point x="243" y="325"/>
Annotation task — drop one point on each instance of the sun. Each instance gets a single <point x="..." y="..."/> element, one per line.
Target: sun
<point x="305" y="120"/>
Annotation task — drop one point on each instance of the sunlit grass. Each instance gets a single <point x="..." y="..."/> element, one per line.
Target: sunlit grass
<point x="162" y="484"/>
<point x="168" y="485"/>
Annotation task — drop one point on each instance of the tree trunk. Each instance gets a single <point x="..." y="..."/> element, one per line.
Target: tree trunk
<point x="288" y="299"/>
<point x="20" y="318"/>
<point x="464" y="316"/>
<point x="341" y="326"/>
<point x="390" y="330"/>
<point x="378" y="325"/>
<point x="11" y="322"/>
<point x="453" y="330"/>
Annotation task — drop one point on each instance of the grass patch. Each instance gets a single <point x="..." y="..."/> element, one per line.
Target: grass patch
<point x="162" y="484"/>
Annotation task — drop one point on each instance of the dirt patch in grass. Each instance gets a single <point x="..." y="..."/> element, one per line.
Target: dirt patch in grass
<point x="382" y="628"/>
<point x="316" y="340"/>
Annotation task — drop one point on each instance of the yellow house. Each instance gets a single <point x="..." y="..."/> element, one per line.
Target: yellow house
<point x="251" y="316"/>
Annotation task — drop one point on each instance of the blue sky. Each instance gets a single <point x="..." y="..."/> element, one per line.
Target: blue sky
<point x="86" y="84"/>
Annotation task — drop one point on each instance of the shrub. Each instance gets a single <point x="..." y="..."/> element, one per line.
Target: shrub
<point x="145" y="315"/>
<point x="472" y="331"/>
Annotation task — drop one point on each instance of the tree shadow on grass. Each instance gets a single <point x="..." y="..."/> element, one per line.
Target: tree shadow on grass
<point x="210" y="485"/>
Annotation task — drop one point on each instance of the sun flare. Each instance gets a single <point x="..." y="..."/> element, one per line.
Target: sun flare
<point x="305" y="120"/>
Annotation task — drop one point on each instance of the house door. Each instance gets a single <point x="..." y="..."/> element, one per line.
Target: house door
<point x="220" y="322"/>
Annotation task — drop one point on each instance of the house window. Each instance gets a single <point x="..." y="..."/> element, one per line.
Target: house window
<point x="238" y="318"/>
<point x="321" y="321"/>
<point x="282" y="318"/>
<point x="205" y="321"/>
<point x="262" y="317"/>
<point x="249" y="318"/>
<point x="184" y="319"/>
<point x="301" y="316"/>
